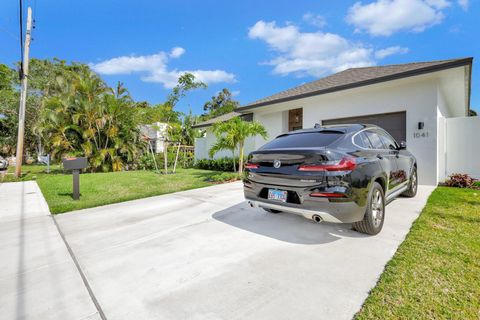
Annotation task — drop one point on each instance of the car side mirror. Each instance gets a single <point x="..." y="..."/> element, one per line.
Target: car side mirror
<point x="403" y="145"/>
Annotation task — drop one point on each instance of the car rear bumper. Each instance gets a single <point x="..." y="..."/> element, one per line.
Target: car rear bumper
<point x="330" y="210"/>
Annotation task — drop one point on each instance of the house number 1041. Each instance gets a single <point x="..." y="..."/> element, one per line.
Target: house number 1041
<point x="419" y="135"/>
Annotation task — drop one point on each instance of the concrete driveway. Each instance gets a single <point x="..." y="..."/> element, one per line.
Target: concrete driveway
<point x="204" y="254"/>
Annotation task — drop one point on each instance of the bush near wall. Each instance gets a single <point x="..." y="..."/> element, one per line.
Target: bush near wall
<point x="225" y="177"/>
<point x="220" y="164"/>
<point x="459" y="180"/>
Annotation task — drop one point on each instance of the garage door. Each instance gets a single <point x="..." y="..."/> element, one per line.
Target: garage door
<point x="394" y="123"/>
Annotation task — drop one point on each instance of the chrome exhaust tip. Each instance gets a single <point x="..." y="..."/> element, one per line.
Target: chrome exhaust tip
<point x="316" y="218"/>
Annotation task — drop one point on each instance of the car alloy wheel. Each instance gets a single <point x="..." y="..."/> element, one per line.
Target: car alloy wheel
<point x="374" y="217"/>
<point x="414" y="181"/>
<point x="377" y="208"/>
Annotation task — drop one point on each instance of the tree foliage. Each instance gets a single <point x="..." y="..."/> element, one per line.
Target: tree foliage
<point x="220" y="104"/>
<point x="87" y="118"/>
<point x="9" y="104"/>
<point x="70" y="110"/>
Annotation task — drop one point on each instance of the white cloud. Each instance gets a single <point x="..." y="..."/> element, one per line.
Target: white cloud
<point x="383" y="53"/>
<point x="130" y="64"/>
<point x="385" y="17"/>
<point x="464" y="4"/>
<point x="304" y="53"/>
<point x="235" y="93"/>
<point x="177" y="52"/>
<point x="154" y="68"/>
<point x="315" y="20"/>
<point x="213" y="76"/>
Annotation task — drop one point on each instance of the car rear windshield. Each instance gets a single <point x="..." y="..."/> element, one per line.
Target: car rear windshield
<point x="304" y="140"/>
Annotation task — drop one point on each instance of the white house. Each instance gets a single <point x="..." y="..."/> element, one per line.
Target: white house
<point x="155" y="134"/>
<point x="425" y="104"/>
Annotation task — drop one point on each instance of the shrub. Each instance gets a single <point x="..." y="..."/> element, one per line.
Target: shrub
<point x="220" y="164"/>
<point x="145" y="162"/>
<point x="459" y="180"/>
<point x="225" y="177"/>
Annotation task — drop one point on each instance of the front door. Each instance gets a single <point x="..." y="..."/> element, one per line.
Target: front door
<point x="295" y="119"/>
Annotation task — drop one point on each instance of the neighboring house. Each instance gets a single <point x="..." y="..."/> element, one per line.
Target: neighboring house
<point x="425" y="104"/>
<point x="155" y="133"/>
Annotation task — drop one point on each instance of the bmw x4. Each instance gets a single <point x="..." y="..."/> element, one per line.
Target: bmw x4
<point x="338" y="173"/>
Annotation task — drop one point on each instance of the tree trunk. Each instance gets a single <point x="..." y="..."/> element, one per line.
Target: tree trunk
<point x="176" y="158"/>
<point x="165" y="156"/>
<point x="240" y="161"/>
<point x="234" y="167"/>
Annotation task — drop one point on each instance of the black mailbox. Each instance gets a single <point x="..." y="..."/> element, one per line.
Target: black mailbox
<point x="75" y="164"/>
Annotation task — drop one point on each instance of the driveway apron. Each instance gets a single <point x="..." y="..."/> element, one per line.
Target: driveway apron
<point x="205" y="254"/>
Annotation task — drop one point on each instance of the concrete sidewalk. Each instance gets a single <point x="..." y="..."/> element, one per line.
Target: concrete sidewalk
<point x="38" y="278"/>
<point x="205" y="254"/>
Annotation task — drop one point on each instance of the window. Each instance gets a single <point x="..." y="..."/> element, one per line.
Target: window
<point x="388" y="140"/>
<point x="375" y="139"/>
<point x="304" y="140"/>
<point x="361" y="140"/>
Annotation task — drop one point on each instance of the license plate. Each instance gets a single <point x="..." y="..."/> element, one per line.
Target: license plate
<point x="278" y="195"/>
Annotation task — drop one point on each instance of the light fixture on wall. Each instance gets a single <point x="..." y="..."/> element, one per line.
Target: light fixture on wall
<point x="420" y="125"/>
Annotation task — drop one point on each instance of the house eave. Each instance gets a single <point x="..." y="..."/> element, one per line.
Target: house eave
<point x="448" y="65"/>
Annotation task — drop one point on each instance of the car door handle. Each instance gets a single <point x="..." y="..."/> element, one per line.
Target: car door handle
<point x="379" y="156"/>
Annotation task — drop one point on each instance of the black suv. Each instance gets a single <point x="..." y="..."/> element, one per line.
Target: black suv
<point x="337" y="173"/>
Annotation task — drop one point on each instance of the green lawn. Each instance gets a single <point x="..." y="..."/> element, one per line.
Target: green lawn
<point x="104" y="188"/>
<point x="435" y="273"/>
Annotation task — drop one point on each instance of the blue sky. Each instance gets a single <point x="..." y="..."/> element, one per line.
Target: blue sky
<point x="254" y="48"/>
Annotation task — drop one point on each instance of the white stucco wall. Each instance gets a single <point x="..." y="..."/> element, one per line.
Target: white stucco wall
<point x="418" y="97"/>
<point x="275" y="123"/>
<point x="463" y="146"/>
<point x="443" y="112"/>
<point x="203" y="145"/>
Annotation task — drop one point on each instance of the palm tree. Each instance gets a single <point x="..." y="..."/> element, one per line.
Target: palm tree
<point x="234" y="132"/>
<point x="223" y="144"/>
<point x="87" y="118"/>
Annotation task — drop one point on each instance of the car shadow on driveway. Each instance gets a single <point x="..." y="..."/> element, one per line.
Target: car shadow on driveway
<point x="283" y="226"/>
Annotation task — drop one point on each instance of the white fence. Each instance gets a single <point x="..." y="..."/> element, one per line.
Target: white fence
<point x="203" y="145"/>
<point x="463" y="146"/>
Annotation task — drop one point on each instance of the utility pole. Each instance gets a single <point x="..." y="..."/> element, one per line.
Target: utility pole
<point x="23" y="96"/>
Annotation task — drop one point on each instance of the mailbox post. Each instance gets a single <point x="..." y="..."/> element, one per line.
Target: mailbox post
<point x="75" y="165"/>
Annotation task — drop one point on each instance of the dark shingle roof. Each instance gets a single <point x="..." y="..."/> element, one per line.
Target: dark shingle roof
<point x="222" y="118"/>
<point x="357" y="77"/>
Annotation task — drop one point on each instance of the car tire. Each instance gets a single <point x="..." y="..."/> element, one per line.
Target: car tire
<point x="412" y="185"/>
<point x="271" y="210"/>
<point x="374" y="217"/>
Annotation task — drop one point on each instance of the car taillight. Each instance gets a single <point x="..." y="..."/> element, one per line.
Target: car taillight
<point x="327" y="195"/>
<point x="346" y="164"/>
<point x="251" y="165"/>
